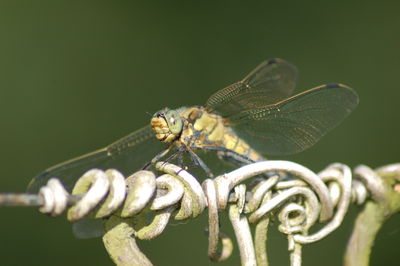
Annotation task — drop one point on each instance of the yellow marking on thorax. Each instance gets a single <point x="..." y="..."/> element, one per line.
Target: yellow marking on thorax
<point x="206" y="123"/>
<point x="218" y="135"/>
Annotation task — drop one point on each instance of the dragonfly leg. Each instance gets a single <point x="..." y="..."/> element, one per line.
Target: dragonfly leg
<point x="157" y="157"/>
<point x="180" y="158"/>
<point x="230" y="156"/>
<point x="198" y="161"/>
<point x="174" y="155"/>
<point x="234" y="157"/>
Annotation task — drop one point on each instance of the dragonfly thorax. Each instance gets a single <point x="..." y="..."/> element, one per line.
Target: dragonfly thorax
<point x="167" y="125"/>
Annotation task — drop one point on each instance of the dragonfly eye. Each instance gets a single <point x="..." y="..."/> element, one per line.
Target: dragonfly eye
<point x="174" y="121"/>
<point x="161" y="113"/>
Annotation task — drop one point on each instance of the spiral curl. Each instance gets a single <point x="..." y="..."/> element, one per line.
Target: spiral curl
<point x="299" y="201"/>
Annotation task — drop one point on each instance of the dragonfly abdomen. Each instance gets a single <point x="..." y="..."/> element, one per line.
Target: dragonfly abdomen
<point x="233" y="143"/>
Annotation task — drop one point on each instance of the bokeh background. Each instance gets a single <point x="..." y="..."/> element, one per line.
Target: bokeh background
<point x="77" y="75"/>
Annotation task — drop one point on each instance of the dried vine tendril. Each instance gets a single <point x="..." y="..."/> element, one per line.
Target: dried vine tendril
<point x="301" y="201"/>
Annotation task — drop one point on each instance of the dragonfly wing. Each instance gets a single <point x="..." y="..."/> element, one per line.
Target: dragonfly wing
<point x="273" y="80"/>
<point x="88" y="228"/>
<point x="126" y="155"/>
<point x="294" y="124"/>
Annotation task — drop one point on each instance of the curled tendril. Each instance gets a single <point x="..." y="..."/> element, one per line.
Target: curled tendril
<point x="299" y="201"/>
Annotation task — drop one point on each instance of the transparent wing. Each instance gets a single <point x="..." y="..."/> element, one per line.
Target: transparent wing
<point x="273" y="80"/>
<point x="126" y="155"/>
<point x="294" y="124"/>
<point x="88" y="228"/>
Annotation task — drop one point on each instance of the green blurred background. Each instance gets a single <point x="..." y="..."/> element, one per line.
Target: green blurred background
<point x="77" y="75"/>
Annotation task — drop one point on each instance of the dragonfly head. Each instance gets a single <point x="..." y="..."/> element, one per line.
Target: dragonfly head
<point x="167" y="125"/>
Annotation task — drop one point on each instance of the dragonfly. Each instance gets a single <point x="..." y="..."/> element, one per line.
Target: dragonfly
<point x="243" y="122"/>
